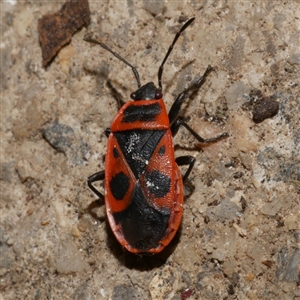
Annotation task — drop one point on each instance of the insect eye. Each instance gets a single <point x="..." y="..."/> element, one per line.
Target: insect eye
<point x="133" y="96"/>
<point x="158" y="94"/>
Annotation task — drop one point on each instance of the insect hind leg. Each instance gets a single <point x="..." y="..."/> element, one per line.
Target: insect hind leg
<point x="99" y="176"/>
<point x="183" y="161"/>
<point x="180" y="122"/>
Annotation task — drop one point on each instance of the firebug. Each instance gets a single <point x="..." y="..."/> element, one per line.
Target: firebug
<point x="142" y="181"/>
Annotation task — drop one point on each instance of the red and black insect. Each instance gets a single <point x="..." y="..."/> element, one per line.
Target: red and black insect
<point x="142" y="181"/>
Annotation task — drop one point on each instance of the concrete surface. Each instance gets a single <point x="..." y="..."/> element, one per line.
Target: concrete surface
<point x="239" y="237"/>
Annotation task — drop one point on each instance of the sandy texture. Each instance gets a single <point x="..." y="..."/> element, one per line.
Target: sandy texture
<point x="239" y="237"/>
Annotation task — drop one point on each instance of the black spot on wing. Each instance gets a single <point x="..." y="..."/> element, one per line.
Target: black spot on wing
<point x="158" y="183"/>
<point x="142" y="225"/>
<point x="162" y="150"/>
<point x="138" y="146"/>
<point x="119" y="185"/>
<point x="116" y="153"/>
<point x="144" y="113"/>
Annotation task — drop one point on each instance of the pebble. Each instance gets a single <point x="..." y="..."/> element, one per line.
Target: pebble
<point x="292" y="222"/>
<point x="237" y="95"/>
<point x="69" y="259"/>
<point x="164" y="284"/>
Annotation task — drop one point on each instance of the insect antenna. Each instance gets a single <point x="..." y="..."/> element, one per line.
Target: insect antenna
<point x="161" y="68"/>
<point x="89" y="39"/>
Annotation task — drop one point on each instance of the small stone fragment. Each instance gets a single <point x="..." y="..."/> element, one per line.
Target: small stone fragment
<point x="186" y="294"/>
<point x="219" y="255"/>
<point x="6" y="171"/>
<point x="287" y="266"/>
<point x="82" y="226"/>
<point x="294" y="59"/>
<point x="69" y="260"/>
<point x="60" y="137"/>
<point x="241" y="231"/>
<point x="225" y="211"/>
<point x="237" y="95"/>
<point x="291" y="222"/>
<point x="123" y="291"/>
<point x="265" y="108"/>
<point x="63" y="139"/>
<point x="7" y="253"/>
<point x="229" y="266"/>
<point x="24" y="170"/>
<point x="56" y="30"/>
<point x="267" y="263"/>
<point x="164" y="284"/>
<point x="249" y="276"/>
<point x="76" y="233"/>
<point x="152" y="7"/>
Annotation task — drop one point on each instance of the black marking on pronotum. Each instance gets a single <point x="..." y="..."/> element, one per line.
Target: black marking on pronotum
<point x="143" y="113"/>
<point x="119" y="185"/>
<point x="138" y="146"/>
<point x="158" y="183"/>
<point x="142" y="225"/>
<point x="116" y="153"/>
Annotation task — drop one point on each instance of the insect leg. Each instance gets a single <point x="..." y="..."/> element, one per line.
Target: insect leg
<point x="107" y="132"/>
<point x="183" y="161"/>
<point x="175" y="108"/>
<point x="179" y="121"/>
<point x="116" y="94"/>
<point x="96" y="177"/>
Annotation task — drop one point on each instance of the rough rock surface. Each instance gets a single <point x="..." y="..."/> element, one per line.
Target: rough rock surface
<point x="239" y="237"/>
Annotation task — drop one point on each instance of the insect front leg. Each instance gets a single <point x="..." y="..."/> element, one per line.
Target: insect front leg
<point x="176" y="107"/>
<point x="116" y="94"/>
<point x="99" y="176"/>
<point x="176" y="121"/>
